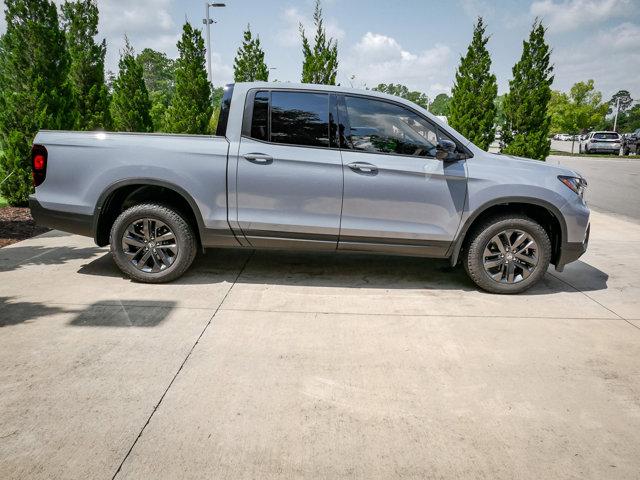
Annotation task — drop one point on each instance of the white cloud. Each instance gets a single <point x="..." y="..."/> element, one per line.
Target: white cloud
<point x="222" y="73"/>
<point x="612" y="60"/>
<point x="378" y="58"/>
<point x="148" y="24"/>
<point x="3" y="25"/>
<point x="483" y="8"/>
<point x="570" y="15"/>
<point x="625" y="36"/>
<point x="289" y="35"/>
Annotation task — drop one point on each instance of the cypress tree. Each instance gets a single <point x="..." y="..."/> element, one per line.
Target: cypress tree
<point x="472" y="110"/>
<point x="86" y="73"/>
<point x="191" y="106"/>
<point x="320" y="64"/>
<point x="526" y="118"/>
<point x="249" y="64"/>
<point x="130" y="104"/>
<point x="33" y="89"/>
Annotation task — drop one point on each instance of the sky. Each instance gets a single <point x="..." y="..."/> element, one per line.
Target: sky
<point x="416" y="43"/>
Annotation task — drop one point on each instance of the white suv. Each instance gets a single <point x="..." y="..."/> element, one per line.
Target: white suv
<point x="594" y="142"/>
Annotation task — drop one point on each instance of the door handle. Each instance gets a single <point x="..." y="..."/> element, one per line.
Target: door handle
<point x="260" y="158"/>
<point x="363" y="167"/>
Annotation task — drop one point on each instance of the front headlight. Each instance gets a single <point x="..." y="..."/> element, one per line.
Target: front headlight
<point x="577" y="184"/>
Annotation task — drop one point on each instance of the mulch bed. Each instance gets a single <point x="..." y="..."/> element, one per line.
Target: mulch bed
<point x="16" y="224"/>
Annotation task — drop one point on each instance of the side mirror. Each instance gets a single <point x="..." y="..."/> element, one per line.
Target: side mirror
<point x="445" y="150"/>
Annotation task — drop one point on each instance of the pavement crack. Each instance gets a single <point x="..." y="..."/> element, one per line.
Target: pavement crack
<point x="155" y="408"/>
<point x="594" y="300"/>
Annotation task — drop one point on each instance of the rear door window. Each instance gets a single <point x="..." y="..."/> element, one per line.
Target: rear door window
<point x="293" y="118"/>
<point x="260" y="119"/>
<point x="300" y="118"/>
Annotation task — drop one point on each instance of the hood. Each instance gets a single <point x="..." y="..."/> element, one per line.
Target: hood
<point x="544" y="168"/>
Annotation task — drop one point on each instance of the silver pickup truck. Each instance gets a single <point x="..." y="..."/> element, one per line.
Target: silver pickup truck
<point x="310" y="167"/>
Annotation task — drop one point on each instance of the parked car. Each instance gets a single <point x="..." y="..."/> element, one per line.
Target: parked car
<point x="631" y="143"/>
<point x="312" y="167"/>
<point x="562" y="137"/>
<point x="599" y="142"/>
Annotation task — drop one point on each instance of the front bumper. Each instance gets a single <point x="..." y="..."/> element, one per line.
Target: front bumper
<point x="572" y="251"/>
<point x="58" y="220"/>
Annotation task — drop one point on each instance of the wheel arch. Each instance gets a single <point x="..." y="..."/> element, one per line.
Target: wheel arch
<point x="115" y="197"/>
<point x="545" y="213"/>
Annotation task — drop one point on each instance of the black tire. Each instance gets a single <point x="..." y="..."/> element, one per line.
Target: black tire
<point x="179" y="227"/>
<point x="482" y="236"/>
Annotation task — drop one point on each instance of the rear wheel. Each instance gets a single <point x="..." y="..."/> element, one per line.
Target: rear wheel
<point x="508" y="254"/>
<point x="152" y="243"/>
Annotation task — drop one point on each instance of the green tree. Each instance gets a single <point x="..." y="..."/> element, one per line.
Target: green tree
<point x="249" y="63"/>
<point x="629" y="121"/>
<point x="525" y="130"/>
<point x="86" y="73"/>
<point x="158" y="71"/>
<point x="440" y="105"/>
<point x="472" y="110"/>
<point x="217" y="101"/>
<point x="398" y="90"/>
<point x="320" y="64"/>
<point x="130" y="104"/>
<point x="191" y="106"/>
<point x="499" y="102"/>
<point x="34" y="92"/>
<point x="577" y="112"/>
<point x="624" y="97"/>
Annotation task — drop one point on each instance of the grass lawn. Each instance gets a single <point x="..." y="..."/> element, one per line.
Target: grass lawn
<point x="3" y="202"/>
<point x="594" y="155"/>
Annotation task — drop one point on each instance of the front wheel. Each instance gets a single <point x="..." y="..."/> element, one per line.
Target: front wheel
<point x="152" y="243"/>
<point x="507" y="254"/>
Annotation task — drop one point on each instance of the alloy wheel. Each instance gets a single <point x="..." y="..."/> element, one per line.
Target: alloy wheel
<point x="150" y="245"/>
<point x="511" y="256"/>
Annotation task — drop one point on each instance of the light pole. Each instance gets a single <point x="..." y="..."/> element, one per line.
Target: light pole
<point x="208" y="21"/>
<point x="615" y="122"/>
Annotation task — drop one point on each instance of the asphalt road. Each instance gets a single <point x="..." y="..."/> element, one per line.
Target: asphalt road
<point x="614" y="183"/>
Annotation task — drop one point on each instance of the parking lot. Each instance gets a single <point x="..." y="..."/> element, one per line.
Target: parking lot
<point x="282" y="365"/>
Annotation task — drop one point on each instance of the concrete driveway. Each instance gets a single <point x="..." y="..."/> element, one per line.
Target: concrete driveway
<point x="277" y="365"/>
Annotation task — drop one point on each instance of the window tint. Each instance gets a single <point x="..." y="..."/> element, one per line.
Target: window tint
<point x="260" y="119"/>
<point x="300" y="118"/>
<point x="378" y="126"/>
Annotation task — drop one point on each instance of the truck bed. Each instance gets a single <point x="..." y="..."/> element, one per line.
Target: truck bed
<point x="83" y="166"/>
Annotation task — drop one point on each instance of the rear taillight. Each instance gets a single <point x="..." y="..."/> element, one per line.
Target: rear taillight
<point x="39" y="164"/>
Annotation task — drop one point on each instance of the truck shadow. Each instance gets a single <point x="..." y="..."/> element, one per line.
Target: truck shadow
<point x="15" y="312"/>
<point x="131" y="313"/>
<point x="350" y="271"/>
<point x="16" y="257"/>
